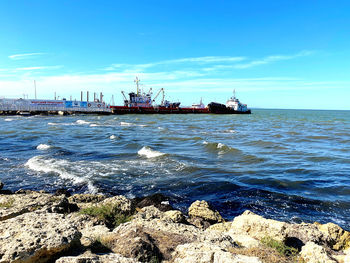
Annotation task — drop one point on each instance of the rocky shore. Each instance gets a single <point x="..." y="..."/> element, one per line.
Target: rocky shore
<point x="84" y="228"/>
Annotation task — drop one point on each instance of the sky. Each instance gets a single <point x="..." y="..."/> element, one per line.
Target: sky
<point x="274" y="54"/>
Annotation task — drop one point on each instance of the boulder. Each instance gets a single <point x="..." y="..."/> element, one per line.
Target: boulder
<point x="221" y="227"/>
<point x="36" y="237"/>
<point x="200" y="211"/>
<point x="159" y="201"/>
<point x="62" y="206"/>
<point x="258" y="227"/>
<point x="338" y="238"/>
<point x="208" y="253"/>
<point x="313" y="253"/>
<point x="132" y="242"/>
<point x="174" y="216"/>
<point x="120" y="203"/>
<point x="85" y="200"/>
<point x="27" y="201"/>
<point x="148" y="213"/>
<point x="91" y="234"/>
<point x="93" y="258"/>
<point x="297" y="235"/>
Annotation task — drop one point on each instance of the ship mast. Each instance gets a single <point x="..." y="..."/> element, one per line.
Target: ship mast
<point x="137" y="85"/>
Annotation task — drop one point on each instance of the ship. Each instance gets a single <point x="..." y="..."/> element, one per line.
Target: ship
<point x="141" y="102"/>
<point x="233" y="106"/>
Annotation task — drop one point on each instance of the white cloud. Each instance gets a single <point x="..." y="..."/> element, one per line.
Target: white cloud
<point x="193" y="61"/>
<point x="270" y="59"/>
<point x="24" y="55"/>
<point x="38" y="68"/>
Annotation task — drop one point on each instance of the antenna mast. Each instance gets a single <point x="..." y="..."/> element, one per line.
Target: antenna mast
<point x="35" y="88"/>
<point x="137" y="85"/>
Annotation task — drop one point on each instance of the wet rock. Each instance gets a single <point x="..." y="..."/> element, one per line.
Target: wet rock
<point x="36" y="237"/>
<point x="159" y="201"/>
<point x="1" y="185"/>
<point x="207" y="253"/>
<point x="62" y="191"/>
<point x="201" y="210"/>
<point x="93" y="258"/>
<point x="313" y="253"/>
<point x="132" y="243"/>
<point x="338" y="238"/>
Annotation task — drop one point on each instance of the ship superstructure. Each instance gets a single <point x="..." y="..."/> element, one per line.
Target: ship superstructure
<point x="235" y="104"/>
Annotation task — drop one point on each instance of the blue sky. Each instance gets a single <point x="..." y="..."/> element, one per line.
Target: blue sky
<point x="276" y="54"/>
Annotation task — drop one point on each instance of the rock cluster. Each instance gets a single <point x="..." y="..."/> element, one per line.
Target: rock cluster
<point x="41" y="227"/>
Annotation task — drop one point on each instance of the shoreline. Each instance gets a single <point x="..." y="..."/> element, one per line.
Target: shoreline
<point x="40" y="227"/>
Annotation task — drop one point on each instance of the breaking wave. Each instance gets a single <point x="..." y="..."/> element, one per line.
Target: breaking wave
<point x="65" y="169"/>
<point x="43" y="147"/>
<point x="149" y="152"/>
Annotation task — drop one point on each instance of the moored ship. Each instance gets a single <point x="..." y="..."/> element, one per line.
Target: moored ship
<point x="233" y="106"/>
<point x="142" y="103"/>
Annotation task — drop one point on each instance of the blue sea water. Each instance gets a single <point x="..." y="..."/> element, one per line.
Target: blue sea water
<point x="291" y="165"/>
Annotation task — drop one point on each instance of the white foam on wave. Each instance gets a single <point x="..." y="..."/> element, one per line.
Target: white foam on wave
<point x="43" y="147"/>
<point x="41" y="164"/>
<point x="230" y="131"/>
<point x="113" y="137"/>
<point x="125" y="123"/>
<point x="61" y="124"/>
<point x="9" y="119"/>
<point x="160" y="128"/>
<point x="148" y="152"/>
<point x="82" y="122"/>
<point x="220" y="145"/>
<point x="205" y="142"/>
<point x="95" y="125"/>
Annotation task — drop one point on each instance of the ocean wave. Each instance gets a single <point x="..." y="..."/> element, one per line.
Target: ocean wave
<point x="9" y="119"/>
<point x="113" y="137"/>
<point x="148" y="152"/>
<point x="40" y="164"/>
<point x="220" y="148"/>
<point x="43" y="147"/>
<point x="82" y="122"/>
<point x="125" y="123"/>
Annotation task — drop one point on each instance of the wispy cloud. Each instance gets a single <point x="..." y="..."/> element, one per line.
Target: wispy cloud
<point x="181" y="61"/>
<point x="270" y="59"/>
<point x="25" y="56"/>
<point x="38" y="68"/>
<point x="208" y="63"/>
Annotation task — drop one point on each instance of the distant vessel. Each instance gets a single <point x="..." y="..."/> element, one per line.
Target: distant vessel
<point x="141" y="102"/>
<point x="233" y="106"/>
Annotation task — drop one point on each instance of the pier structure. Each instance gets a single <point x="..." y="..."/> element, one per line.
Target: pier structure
<point x="45" y="107"/>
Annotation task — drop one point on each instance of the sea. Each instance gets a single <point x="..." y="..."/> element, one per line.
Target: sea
<point x="290" y="165"/>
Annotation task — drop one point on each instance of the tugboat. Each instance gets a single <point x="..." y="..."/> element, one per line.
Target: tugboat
<point x="233" y="106"/>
